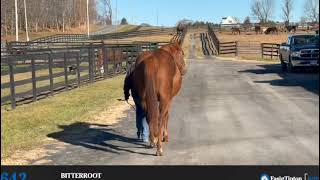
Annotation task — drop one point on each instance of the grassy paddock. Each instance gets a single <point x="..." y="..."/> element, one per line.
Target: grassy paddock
<point x="25" y="127"/>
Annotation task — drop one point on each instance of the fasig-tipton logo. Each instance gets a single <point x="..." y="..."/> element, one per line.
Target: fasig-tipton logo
<point x="265" y="176"/>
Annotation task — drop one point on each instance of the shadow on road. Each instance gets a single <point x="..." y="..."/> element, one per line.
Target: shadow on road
<point x="97" y="137"/>
<point x="305" y="78"/>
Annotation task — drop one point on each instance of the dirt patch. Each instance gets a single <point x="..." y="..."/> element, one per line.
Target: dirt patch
<point x="110" y="115"/>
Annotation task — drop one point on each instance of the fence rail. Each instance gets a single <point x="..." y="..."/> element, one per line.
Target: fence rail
<point x="270" y="49"/>
<point x="215" y="41"/>
<point x="140" y="33"/>
<point x="63" y="38"/>
<point x="229" y="48"/>
<point x="29" y="47"/>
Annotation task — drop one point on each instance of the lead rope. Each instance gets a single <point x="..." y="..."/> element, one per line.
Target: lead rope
<point x="131" y="105"/>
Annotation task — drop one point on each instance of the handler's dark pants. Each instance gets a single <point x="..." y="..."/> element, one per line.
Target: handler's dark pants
<point x="141" y="121"/>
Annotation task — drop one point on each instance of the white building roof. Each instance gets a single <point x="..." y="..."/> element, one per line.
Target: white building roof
<point x="229" y="21"/>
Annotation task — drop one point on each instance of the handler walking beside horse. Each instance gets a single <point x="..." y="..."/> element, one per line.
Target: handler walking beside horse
<point x="156" y="79"/>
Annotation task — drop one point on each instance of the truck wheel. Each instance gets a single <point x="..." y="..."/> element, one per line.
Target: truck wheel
<point x="290" y="67"/>
<point x="283" y="65"/>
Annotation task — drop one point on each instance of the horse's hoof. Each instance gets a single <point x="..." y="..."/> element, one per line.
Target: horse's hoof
<point x="159" y="153"/>
<point x="165" y="139"/>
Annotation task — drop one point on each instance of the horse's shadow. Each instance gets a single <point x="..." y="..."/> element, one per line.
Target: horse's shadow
<point x="98" y="137"/>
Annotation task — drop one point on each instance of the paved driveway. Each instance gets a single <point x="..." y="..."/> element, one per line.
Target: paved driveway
<point x="227" y="112"/>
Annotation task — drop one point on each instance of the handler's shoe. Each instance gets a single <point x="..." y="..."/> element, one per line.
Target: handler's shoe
<point x="145" y="140"/>
<point x="139" y="136"/>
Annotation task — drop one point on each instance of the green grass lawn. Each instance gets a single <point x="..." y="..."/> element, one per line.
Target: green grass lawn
<point x="25" y="127"/>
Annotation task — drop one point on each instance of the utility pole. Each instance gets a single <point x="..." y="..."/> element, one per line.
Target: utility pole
<point x="88" y="18"/>
<point x="25" y="19"/>
<point x="117" y="20"/>
<point x="16" y="13"/>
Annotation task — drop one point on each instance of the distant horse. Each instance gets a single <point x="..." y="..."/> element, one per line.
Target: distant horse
<point x="157" y="77"/>
<point x="273" y="30"/>
<point x="291" y="29"/>
<point x="235" y="30"/>
<point x="111" y="54"/>
<point x="257" y="29"/>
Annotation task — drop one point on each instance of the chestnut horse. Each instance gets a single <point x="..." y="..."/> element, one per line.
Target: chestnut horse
<point x="112" y="54"/>
<point x="157" y="78"/>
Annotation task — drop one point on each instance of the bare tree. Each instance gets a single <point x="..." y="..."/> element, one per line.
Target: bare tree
<point x="262" y="9"/>
<point x="106" y="11"/>
<point x="247" y="24"/>
<point x="287" y="7"/>
<point x="311" y="8"/>
<point x="44" y="15"/>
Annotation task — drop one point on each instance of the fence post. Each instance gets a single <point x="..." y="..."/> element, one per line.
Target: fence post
<point x="105" y="61"/>
<point x="34" y="87"/>
<point x="236" y="48"/>
<point x="12" y="85"/>
<point x="114" y="61"/>
<point x="271" y="51"/>
<point x="50" y="73"/>
<point x="262" y="50"/>
<point x="127" y="59"/>
<point x="90" y="63"/>
<point x="78" y="69"/>
<point x="121" y="61"/>
<point x="65" y="70"/>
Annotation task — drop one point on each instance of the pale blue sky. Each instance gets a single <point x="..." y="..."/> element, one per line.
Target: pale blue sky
<point x="170" y="11"/>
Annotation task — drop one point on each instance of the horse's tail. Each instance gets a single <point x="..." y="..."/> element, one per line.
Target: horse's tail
<point x="151" y="99"/>
<point x="127" y="86"/>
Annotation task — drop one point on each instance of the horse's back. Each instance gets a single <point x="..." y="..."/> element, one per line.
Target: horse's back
<point x="159" y="63"/>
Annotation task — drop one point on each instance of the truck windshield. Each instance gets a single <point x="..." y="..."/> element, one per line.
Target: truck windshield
<point x="303" y="40"/>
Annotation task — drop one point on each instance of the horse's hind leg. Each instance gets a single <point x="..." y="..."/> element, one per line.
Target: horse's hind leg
<point x="153" y="131"/>
<point x="164" y="108"/>
<point x="165" y="131"/>
<point x="166" y="121"/>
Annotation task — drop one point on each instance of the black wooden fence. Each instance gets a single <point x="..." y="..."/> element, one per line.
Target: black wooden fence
<point x="23" y="47"/>
<point x="83" y="59"/>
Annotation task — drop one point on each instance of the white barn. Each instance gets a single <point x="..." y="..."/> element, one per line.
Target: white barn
<point x="229" y="21"/>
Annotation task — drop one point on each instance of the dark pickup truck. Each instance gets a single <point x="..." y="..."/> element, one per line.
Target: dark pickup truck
<point x="299" y="51"/>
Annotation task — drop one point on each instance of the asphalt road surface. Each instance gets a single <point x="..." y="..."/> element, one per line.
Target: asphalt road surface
<point x="227" y="113"/>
